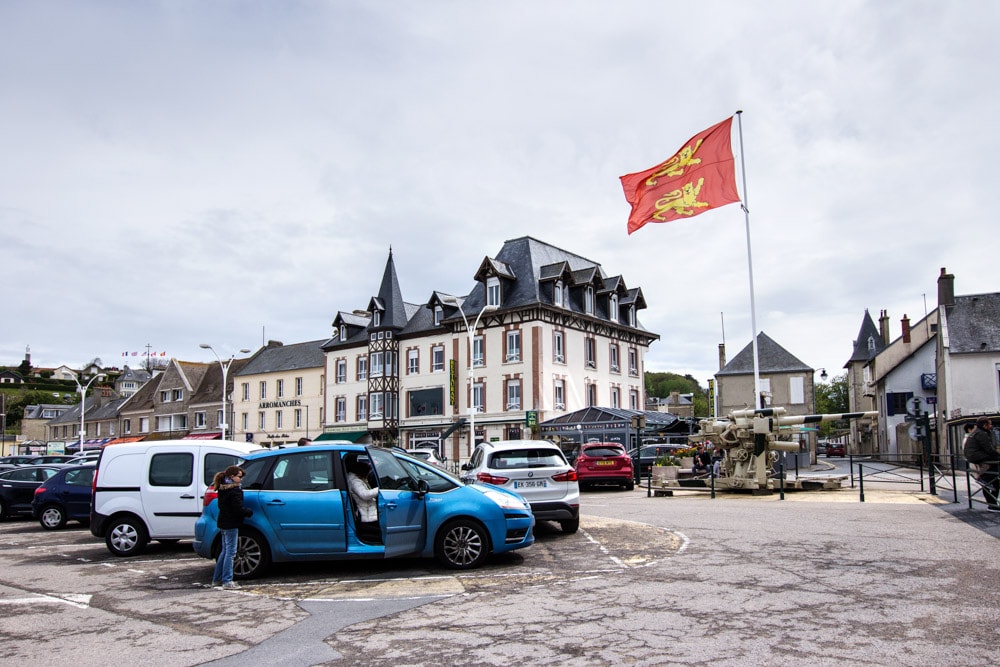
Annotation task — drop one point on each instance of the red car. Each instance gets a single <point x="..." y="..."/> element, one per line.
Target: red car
<point x="604" y="463"/>
<point x="835" y="449"/>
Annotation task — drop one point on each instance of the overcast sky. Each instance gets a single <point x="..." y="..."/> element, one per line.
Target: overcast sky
<point x="177" y="172"/>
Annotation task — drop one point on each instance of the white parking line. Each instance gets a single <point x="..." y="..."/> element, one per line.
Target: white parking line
<point x="73" y="600"/>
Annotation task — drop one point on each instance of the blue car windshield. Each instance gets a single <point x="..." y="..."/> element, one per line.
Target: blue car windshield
<point x="437" y="482"/>
<point x="391" y="473"/>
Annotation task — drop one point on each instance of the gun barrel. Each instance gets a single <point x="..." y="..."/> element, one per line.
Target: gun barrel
<point x="816" y="419"/>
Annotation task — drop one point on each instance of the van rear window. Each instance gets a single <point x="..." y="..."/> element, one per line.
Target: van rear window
<point x="216" y="462"/>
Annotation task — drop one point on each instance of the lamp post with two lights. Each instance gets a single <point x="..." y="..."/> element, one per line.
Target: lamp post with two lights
<point x="471" y="330"/>
<point x="225" y="374"/>
<point x="82" y="389"/>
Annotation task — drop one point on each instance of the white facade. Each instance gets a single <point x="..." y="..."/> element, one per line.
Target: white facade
<point x="557" y="335"/>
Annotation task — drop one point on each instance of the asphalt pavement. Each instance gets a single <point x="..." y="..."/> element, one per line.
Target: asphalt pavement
<point x="816" y="578"/>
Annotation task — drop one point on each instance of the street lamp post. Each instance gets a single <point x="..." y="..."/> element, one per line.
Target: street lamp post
<point x="225" y="374"/>
<point x="489" y="307"/>
<point x="82" y="388"/>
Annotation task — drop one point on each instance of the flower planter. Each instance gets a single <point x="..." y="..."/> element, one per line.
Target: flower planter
<point x="664" y="473"/>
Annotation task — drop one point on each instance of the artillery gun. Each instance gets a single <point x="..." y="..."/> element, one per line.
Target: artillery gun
<point x="751" y="440"/>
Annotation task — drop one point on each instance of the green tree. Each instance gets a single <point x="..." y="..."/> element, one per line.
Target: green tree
<point x="831" y="398"/>
<point x="661" y="384"/>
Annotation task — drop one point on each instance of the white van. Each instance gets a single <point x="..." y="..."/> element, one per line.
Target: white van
<point x="154" y="490"/>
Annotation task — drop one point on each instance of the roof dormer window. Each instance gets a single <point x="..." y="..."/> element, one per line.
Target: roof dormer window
<point x="377" y="318"/>
<point x="588" y="300"/>
<point x="613" y="308"/>
<point x="493" y="291"/>
<point x="557" y="294"/>
<point x="343" y="332"/>
<point x="438" y="315"/>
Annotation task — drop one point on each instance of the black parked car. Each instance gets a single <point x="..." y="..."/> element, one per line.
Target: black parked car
<point x="17" y="488"/>
<point x="64" y="497"/>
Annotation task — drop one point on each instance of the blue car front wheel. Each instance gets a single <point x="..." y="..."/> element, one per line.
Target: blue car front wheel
<point x="462" y="544"/>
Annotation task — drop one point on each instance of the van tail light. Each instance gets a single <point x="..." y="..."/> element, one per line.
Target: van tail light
<point x="491" y="479"/>
<point x="210" y="495"/>
<point x="568" y="476"/>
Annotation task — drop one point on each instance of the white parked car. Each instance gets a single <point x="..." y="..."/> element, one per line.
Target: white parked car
<point x="537" y="470"/>
<point x="428" y="454"/>
<point x="155" y="490"/>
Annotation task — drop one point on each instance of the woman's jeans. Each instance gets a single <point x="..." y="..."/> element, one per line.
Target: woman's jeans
<point x="224" y="564"/>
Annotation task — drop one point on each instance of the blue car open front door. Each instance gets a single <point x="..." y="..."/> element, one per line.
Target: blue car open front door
<point x="401" y="511"/>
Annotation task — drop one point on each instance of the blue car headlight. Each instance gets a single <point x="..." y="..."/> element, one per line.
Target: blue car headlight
<point x="506" y="501"/>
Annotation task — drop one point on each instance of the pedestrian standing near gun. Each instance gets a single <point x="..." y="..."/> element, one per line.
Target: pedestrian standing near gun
<point x="981" y="450"/>
<point x="228" y="484"/>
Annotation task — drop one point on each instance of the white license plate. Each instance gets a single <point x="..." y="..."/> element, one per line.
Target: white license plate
<point x="530" y="484"/>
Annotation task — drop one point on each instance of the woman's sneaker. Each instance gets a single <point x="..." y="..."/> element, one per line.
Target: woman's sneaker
<point x="230" y="585"/>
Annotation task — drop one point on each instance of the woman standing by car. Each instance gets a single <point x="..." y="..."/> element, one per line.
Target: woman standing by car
<point x="231" y="514"/>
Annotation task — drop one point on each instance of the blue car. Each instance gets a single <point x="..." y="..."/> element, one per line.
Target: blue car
<point x="65" y="496"/>
<point x="302" y="510"/>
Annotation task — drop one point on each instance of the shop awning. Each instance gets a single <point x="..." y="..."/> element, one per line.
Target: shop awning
<point x="350" y="436"/>
<point x="128" y="438"/>
<point x="91" y="443"/>
<point x="215" y="435"/>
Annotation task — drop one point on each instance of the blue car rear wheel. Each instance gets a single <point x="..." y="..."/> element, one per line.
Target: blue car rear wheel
<point x="52" y="517"/>
<point x="253" y="556"/>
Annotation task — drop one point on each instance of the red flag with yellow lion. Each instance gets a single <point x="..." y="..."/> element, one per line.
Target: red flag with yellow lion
<point x="699" y="177"/>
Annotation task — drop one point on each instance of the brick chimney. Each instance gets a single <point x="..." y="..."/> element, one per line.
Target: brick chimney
<point x="946" y="289"/>
<point x="883" y="326"/>
<point x="906" y="328"/>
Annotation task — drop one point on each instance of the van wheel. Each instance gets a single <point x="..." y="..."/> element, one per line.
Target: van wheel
<point x="52" y="517"/>
<point x="462" y="545"/>
<point x="126" y="537"/>
<point x="253" y="555"/>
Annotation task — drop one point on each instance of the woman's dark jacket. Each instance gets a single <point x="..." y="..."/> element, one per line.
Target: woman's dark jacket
<point x="231" y="512"/>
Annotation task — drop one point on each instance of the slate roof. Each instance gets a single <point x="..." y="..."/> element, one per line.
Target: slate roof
<point x="390" y="298"/>
<point x="771" y="357"/>
<point x="536" y="263"/>
<point x="868" y="331"/>
<point x="36" y="411"/>
<point x="974" y="324"/>
<point x="526" y="267"/>
<point x="134" y="374"/>
<point x="142" y="399"/>
<point x="277" y="358"/>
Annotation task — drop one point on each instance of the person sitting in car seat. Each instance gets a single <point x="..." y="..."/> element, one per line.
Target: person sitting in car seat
<point x="365" y="500"/>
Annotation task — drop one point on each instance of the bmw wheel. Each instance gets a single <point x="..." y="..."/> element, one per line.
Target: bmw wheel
<point x="52" y="517"/>
<point x="126" y="536"/>
<point x="570" y="526"/>
<point x="462" y="545"/>
<point x="253" y="556"/>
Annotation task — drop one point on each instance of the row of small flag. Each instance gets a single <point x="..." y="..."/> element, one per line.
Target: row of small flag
<point x="145" y="354"/>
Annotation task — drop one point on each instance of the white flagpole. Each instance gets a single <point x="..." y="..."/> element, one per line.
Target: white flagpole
<point x="757" y="402"/>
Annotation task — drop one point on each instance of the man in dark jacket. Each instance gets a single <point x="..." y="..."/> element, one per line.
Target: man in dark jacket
<point x="981" y="450"/>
